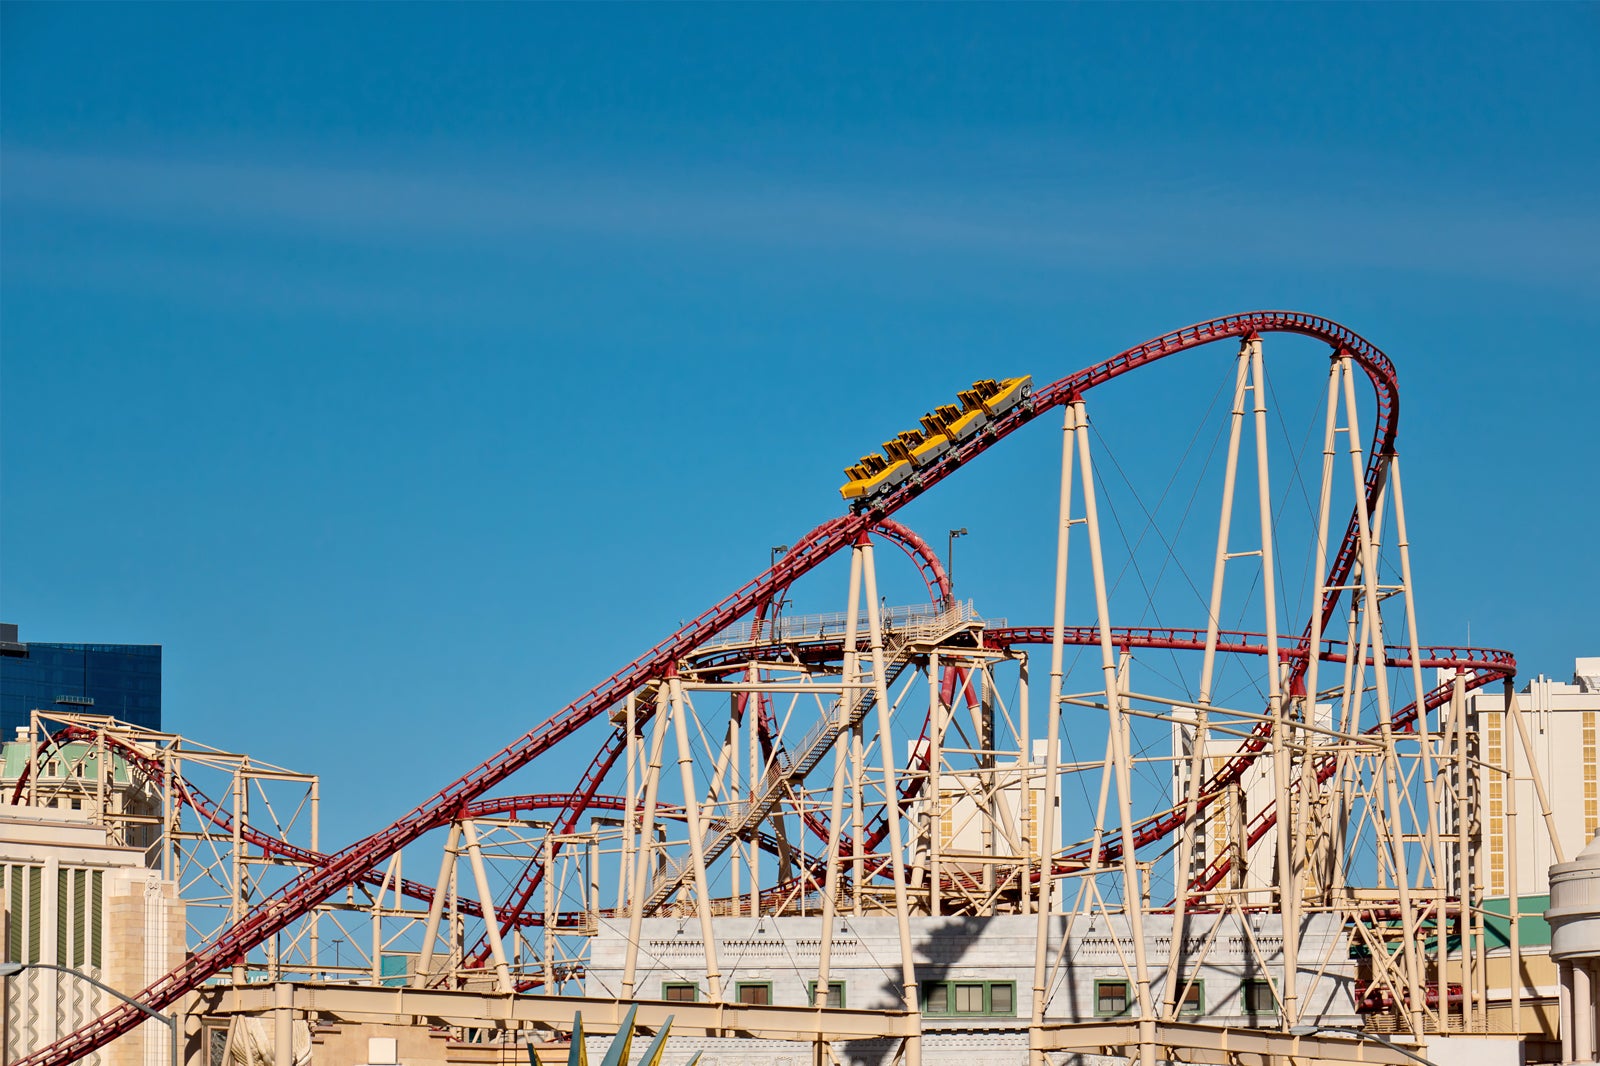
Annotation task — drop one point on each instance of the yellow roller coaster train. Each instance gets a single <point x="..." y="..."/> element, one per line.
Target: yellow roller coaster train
<point x="942" y="429"/>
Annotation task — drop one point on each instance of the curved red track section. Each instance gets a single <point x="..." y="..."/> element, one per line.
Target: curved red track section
<point x="351" y="864"/>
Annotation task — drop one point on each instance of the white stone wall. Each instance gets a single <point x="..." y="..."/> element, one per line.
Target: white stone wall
<point x="866" y="957"/>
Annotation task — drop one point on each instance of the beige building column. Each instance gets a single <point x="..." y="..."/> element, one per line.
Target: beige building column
<point x="1582" y="1012"/>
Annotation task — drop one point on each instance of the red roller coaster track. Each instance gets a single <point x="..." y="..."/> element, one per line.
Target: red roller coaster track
<point x="355" y="862"/>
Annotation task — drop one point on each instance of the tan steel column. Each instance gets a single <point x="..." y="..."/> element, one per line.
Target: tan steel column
<point x="630" y="801"/>
<point x="1196" y="768"/>
<point x="897" y="865"/>
<point x="935" y="783"/>
<point x="430" y="934"/>
<point x="697" y="852"/>
<point x="1288" y="877"/>
<point x="1122" y="757"/>
<point x="847" y="695"/>
<point x="548" y="856"/>
<point x="644" y="852"/>
<point x="1052" y="751"/>
<point x="1372" y="616"/>
<point x="491" y="923"/>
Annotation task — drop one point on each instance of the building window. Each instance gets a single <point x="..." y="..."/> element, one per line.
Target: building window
<point x="1111" y="998"/>
<point x="1194" y="998"/>
<point x="995" y="999"/>
<point x="1258" y="997"/>
<point x="1003" y="998"/>
<point x="755" y="993"/>
<point x="680" y="992"/>
<point x="835" y="994"/>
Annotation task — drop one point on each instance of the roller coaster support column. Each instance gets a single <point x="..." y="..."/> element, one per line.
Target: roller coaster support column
<point x="752" y="716"/>
<point x="1372" y="602"/>
<point x="241" y="817"/>
<point x="935" y="788"/>
<point x="1288" y="866"/>
<point x="1049" y="821"/>
<point x="697" y="852"/>
<point x="642" y="853"/>
<point x="1425" y="740"/>
<point x="1025" y="787"/>
<point x="735" y="788"/>
<point x="547" y="855"/>
<point x="1326" y="852"/>
<point x="1121" y="757"/>
<point x="849" y="680"/>
<point x="858" y="820"/>
<point x="630" y="723"/>
<point x="897" y="861"/>
<point x="491" y="924"/>
<point x="1198" y="739"/>
<point x="430" y="933"/>
<point x="1514" y="708"/>
<point x="1463" y="843"/>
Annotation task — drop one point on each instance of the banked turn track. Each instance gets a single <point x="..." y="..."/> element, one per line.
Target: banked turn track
<point x="354" y="863"/>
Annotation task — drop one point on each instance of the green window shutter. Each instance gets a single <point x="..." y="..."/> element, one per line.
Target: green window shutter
<point x="35" y="899"/>
<point x="96" y="919"/>
<point x="80" y="919"/>
<point x="18" y="915"/>
<point x="63" y="915"/>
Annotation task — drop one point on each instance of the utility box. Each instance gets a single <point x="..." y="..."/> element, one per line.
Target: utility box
<point x="382" y="1051"/>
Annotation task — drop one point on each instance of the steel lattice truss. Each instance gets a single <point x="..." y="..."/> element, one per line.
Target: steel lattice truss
<point x="910" y="761"/>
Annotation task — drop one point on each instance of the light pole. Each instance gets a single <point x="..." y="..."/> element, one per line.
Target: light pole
<point x="11" y="969"/>
<point x="950" y="558"/>
<point x="1359" y="1034"/>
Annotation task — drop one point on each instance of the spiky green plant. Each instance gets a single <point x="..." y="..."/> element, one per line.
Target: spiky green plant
<point x="621" y="1045"/>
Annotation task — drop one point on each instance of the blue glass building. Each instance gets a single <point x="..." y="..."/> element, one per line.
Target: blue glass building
<point x="120" y="680"/>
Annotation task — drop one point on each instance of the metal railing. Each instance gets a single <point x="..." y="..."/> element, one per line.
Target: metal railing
<point x="906" y="622"/>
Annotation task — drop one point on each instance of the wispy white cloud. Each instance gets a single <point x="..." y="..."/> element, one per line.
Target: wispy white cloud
<point x="1114" y="220"/>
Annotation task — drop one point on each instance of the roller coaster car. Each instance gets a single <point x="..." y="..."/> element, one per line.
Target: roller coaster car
<point x="942" y="429"/>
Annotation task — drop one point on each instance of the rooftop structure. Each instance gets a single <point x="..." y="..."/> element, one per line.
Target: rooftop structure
<point x="119" y="680"/>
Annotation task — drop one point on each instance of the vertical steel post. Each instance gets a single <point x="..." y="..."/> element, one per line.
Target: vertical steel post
<point x="1196" y="767"/>
<point x="891" y="794"/>
<point x="491" y="924"/>
<point x="630" y="800"/>
<point x="752" y="713"/>
<point x="1513" y="861"/>
<point x="697" y="854"/>
<point x="642" y="854"/>
<point x="1052" y="749"/>
<point x="1288" y="879"/>
<point x="548" y="950"/>
<point x="848" y="694"/>
<point x="936" y="715"/>
<point x="1122" y="757"/>
<point x="1025" y="804"/>
<point x="430" y="933"/>
<point x="1373" y="620"/>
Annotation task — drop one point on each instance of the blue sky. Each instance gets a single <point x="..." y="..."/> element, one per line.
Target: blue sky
<point x="406" y="369"/>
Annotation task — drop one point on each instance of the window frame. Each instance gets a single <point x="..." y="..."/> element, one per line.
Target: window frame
<point x="740" y="986"/>
<point x="1196" y="988"/>
<point x="1260" y="985"/>
<point x="692" y="986"/>
<point x="949" y="986"/>
<point x="811" y="994"/>
<point x="1127" y="997"/>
